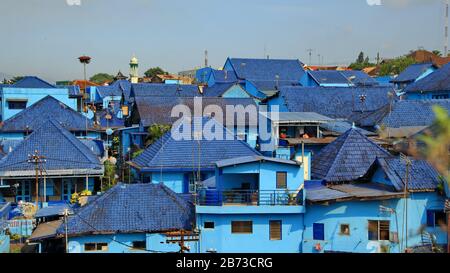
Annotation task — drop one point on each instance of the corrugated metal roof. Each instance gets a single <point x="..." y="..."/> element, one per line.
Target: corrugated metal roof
<point x="252" y="158"/>
<point x="45" y="230"/>
<point x="53" y="210"/>
<point x="295" y="117"/>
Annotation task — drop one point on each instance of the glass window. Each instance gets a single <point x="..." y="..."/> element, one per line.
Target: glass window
<point x="378" y="230"/>
<point x="139" y="245"/>
<point x="319" y="231"/>
<point x="209" y="225"/>
<point x="19" y="104"/>
<point x="345" y="229"/>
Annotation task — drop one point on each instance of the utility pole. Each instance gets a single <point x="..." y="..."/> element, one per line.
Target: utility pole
<point x="36" y="159"/>
<point x="408" y="165"/>
<point x="310" y="51"/>
<point x="66" y="214"/>
<point x="206" y="58"/>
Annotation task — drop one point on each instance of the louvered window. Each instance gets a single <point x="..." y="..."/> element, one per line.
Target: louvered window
<point x="242" y="227"/>
<point x="275" y="229"/>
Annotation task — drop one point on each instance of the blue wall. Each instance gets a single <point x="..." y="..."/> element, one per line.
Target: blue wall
<point x="357" y="214"/>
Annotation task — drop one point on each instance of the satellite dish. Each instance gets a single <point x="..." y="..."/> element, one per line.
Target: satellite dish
<point x="74" y="247"/>
<point x="109" y="131"/>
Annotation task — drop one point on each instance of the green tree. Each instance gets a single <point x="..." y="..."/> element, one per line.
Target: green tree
<point x="396" y="66"/>
<point x="437" y="144"/>
<point x="155" y="132"/>
<point x="15" y="79"/>
<point x="100" y="78"/>
<point x="361" y="62"/>
<point x="155" y="71"/>
<point x="109" y="177"/>
<point x="437" y="53"/>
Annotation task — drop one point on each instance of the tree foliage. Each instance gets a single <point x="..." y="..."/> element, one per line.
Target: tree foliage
<point x="361" y="62"/>
<point x="109" y="177"/>
<point x="396" y="66"/>
<point x="101" y="78"/>
<point x="155" y="71"/>
<point x="155" y="132"/>
<point x="438" y="144"/>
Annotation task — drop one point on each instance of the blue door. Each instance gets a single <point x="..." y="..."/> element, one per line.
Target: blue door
<point x="24" y="191"/>
<point x="68" y="188"/>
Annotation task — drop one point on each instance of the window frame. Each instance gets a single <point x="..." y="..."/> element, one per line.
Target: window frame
<point x="285" y="180"/>
<point x="209" y="222"/>
<point x="280" y="230"/>
<point x="98" y="247"/>
<point x="10" y="102"/>
<point x="133" y="246"/>
<point x="341" y="231"/>
<point x="379" y="230"/>
<point x="233" y="228"/>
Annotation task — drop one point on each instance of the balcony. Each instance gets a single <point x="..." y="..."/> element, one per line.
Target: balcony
<point x="250" y="198"/>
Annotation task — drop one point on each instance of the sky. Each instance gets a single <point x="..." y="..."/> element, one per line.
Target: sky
<point x="45" y="37"/>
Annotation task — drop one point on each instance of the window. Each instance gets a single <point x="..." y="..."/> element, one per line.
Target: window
<point x="318" y="231"/>
<point x="281" y="180"/>
<point x="139" y="245"/>
<point x="17" y="104"/>
<point x="345" y="229"/>
<point x="242" y="227"/>
<point x="435" y="218"/>
<point x="209" y="225"/>
<point x="275" y="229"/>
<point x="441" y="96"/>
<point x="378" y="230"/>
<point x="96" y="247"/>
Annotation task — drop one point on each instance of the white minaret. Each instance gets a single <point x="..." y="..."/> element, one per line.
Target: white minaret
<point x="134" y="73"/>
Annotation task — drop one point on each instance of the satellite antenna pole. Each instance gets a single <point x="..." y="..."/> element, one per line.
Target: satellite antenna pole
<point x="310" y="50"/>
<point x="206" y="58"/>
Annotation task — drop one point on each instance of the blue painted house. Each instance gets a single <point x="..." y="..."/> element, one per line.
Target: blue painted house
<point x="202" y="75"/>
<point x="413" y="73"/>
<point x="181" y="163"/>
<point x="357" y="203"/>
<point x="24" y="93"/>
<point x="434" y="86"/>
<point x="69" y="166"/>
<point x="255" y="204"/>
<point x="23" y="123"/>
<point x="131" y="218"/>
<point x="118" y="92"/>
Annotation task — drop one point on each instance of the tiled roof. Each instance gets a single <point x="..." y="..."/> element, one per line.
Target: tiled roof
<point x="156" y="110"/>
<point x="412" y="72"/>
<point x="164" y="90"/>
<point x="439" y="80"/>
<point x="74" y="90"/>
<point x="53" y="210"/>
<point x="117" y="88"/>
<point x="348" y="158"/>
<point x="224" y="76"/>
<point x="335" y="102"/>
<point x="132" y="208"/>
<point x="64" y="153"/>
<point x="170" y="153"/>
<point x="414" y="113"/>
<point x="360" y="78"/>
<point x="32" y="82"/>
<point x="422" y="176"/>
<point x="48" y="107"/>
<point x="267" y="69"/>
<point x="217" y="89"/>
<point x="328" y="77"/>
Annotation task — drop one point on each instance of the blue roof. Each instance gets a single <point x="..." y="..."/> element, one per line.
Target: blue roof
<point x="422" y="176"/>
<point x="64" y="153"/>
<point x="132" y="208"/>
<point x="53" y="210"/>
<point x="439" y="80"/>
<point x="48" y="107"/>
<point x="7" y="145"/>
<point x="253" y="158"/>
<point x="114" y="121"/>
<point x="217" y="89"/>
<point x="170" y="153"/>
<point x="116" y="89"/>
<point x="224" y="76"/>
<point x="348" y="158"/>
<point x="335" y="102"/>
<point x="74" y="90"/>
<point x="156" y="110"/>
<point x="328" y="77"/>
<point x="95" y="145"/>
<point x="32" y="82"/>
<point x="413" y="113"/>
<point x="412" y="72"/>
<point x="164" y="90"/>
<point x="360" y="78"/>
<point x="267" y="69"/>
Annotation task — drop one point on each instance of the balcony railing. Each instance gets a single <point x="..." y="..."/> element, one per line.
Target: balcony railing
<point x="207" y="197"/>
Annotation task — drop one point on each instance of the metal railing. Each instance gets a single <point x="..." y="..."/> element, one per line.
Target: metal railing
<point x="210" y="197"/>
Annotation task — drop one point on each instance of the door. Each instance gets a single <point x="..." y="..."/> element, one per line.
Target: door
<point x="68" y="188"/>
<point x="24" y="191"/>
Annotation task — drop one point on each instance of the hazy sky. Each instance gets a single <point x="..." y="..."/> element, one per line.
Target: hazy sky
<point x="44" y="37"/>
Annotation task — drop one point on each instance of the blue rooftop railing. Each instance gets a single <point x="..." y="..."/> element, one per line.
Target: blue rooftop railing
<point x="212" y="197"/>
